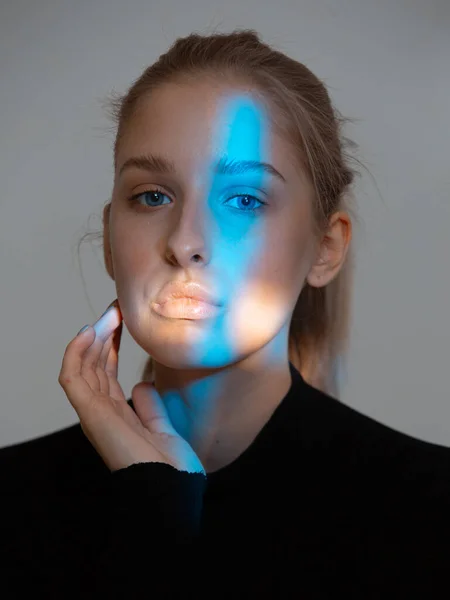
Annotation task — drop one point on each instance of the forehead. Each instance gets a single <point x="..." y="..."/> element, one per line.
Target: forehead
<point x="194" y="122"/>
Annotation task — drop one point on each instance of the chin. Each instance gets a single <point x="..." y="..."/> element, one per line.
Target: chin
<point x="198" y="358"/>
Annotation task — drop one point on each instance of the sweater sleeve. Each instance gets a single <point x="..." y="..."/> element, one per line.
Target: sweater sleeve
<point x="151" y="547"/>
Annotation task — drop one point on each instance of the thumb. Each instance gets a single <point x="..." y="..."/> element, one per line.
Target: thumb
<point x="151" y="409"/>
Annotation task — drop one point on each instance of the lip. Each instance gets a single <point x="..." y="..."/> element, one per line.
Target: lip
<point x="186" y="309"/>
<point x="187" y="289"/>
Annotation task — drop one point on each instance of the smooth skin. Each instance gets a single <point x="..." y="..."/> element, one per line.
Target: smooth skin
<point x="216" y="383"/>
<point x="89" y="378"/>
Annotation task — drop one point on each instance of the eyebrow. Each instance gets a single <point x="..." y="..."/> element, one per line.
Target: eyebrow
<point x="224" y="166"/>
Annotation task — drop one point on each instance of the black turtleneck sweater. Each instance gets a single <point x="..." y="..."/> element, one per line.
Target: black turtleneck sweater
<point x="324" y="503"/>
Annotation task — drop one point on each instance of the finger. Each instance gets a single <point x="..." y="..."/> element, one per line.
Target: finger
<point x="90" y="361"/>
<point x="76" y="387"/>
<point x="109" y="346"/>
<point x="103" y="328"/>
<point x="79" y="382"/>
<point x="112" y="363"/>
<point x="105" y="352"/>
<point x="101" y="365"/>
<point x="109" y="321"/>
<point x="112" y="343"/>
<point x="100" y="369"/>
<point x="111" y="370"/>
<point x="151" y="409"/>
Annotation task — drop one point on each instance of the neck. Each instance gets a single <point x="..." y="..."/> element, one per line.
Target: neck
<point x="219" y="412"/>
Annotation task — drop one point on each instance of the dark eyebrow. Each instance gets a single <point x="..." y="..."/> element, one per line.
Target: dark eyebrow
<point x="225" y="166"/>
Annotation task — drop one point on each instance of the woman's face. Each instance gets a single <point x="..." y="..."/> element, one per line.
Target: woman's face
<point x="245" y="236"/>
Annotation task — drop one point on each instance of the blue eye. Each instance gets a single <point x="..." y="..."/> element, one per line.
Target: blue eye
<point x="153" y="193"/>
<point x="247" y="199"/>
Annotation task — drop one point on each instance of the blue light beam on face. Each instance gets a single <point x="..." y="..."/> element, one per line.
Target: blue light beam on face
<point x="236" y="243"/>
<point x="241" y="127"/>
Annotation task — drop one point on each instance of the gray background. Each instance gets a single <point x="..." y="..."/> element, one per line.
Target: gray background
<point x="386" y="64"/>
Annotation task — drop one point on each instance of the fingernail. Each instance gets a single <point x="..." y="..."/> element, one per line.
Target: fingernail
<point x="83" y="329"/>
<point x="114" y="303"/>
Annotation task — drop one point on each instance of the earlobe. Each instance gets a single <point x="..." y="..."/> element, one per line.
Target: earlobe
<point x="315" y="277"/>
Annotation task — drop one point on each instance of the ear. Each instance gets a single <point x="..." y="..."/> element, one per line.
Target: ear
<point x="106" y="243"/>
<point x="332" y="251"/>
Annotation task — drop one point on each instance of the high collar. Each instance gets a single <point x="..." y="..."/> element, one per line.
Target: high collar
<point x="255" y="455"/>
<point x="273" y="431"/>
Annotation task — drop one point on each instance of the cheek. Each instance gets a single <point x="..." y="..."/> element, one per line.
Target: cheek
<point x="268" y="289"/>
<point x="258" y="313"/>
<point x="260" y="276"/>
<point x="135" y="268"/>
<point x="283" y="262"/>
<point x="133" y="247"/>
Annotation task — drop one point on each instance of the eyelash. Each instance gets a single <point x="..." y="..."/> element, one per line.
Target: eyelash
<point x="133" y="199"/>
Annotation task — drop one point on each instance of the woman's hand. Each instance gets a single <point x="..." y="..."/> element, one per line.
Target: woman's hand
<point x="121" y="437"/>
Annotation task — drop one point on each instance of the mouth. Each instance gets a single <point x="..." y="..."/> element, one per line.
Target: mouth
<point x="186" y="308"/>
<point x="186" y="290"/>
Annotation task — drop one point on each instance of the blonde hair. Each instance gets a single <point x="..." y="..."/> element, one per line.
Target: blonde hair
<point x="319" y="329"/>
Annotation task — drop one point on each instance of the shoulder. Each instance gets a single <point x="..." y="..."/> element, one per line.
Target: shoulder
<point x="59" y="461"/>
<point x="340" y="421"/>
<point x="360" y="448"/>
<point x="372" y="479"/>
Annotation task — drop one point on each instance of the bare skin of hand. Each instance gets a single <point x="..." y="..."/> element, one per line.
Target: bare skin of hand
<point x="121" y="436"/>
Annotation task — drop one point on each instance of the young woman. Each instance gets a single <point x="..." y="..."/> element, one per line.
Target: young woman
<point x="233" y="471"/>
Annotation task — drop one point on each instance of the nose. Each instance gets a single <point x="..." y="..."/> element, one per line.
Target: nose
<point x="187" y="244"/>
